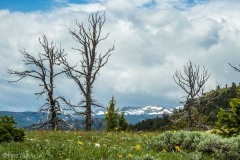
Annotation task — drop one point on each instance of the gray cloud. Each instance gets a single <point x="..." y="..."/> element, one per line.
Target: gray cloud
<point x="151" y="42"/>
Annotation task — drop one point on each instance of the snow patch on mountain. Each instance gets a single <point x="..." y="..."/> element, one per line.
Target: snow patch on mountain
<point x="146" y="110"/>
<point x="99" y="112"/>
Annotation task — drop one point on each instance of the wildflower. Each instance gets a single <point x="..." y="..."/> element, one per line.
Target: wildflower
<point x="75" y="133"/>
<point x="80" y="142"/>
<point x="174" y="131"/>
<point x="178" y="148"/>
<point x="138" y="147"/>
<point x="163" y="150"/>
<point x="130" y="155"/>
<point x="97" y="145"/>
<point x="119" y="156"/>
<point x="69" y="140"/>
<point x="122" y="132"/>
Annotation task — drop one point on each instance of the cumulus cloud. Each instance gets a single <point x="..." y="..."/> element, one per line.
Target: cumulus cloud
<point x="152" y="39"/>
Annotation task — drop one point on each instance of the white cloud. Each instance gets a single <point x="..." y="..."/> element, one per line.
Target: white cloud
<point x="150" y="44"/>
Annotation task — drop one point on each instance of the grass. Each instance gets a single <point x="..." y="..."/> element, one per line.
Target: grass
<point x="80" y="145"/>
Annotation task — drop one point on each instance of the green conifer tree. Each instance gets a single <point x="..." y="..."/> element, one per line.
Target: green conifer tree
<point x="111" y="116"/>
<point x="123" y="125"/>
<point x="229" y="121"/>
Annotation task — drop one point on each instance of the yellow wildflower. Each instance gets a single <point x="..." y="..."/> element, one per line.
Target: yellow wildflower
<point x="130" y="155"/>
<point x="80" y="142"/>
<point x="138" y="147"/>
<point x="178" y="148"/>
<point x="174" y="131"/>
<point x="75" y="133"/>
<point x="163" y="150"/>
<point x="119" y="156"/>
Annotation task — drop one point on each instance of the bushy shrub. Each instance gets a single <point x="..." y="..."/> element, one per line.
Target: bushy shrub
<point x="8" y="132"/>
<point x="197" y="143"/>
<point x="221" y="148"/>
<point x="169" y="140"/>
<point x="5" y="136"/>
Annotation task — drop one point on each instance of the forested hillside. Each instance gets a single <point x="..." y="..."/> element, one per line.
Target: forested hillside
<point x="205" y="112"/>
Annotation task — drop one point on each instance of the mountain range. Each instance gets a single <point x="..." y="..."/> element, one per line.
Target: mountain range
<point x="146" y="110"/>
<point x="132" y="115"/>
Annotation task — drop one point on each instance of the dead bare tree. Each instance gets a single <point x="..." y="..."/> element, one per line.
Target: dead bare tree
<point x="192" y="81"/>
<point x="43" y="68"/>
<point x="91" y="62"/>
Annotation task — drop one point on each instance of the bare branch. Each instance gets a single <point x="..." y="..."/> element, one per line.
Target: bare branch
<point x="192" y="81"/>
<point x="43" y="68"/>
<point x="84" y="74"/>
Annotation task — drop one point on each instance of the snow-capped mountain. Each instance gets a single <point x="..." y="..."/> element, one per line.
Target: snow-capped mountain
<point x="146" y="110"/>
<point x="132" y="115"/>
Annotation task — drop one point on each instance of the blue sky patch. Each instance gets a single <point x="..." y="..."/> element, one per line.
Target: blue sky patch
<point x="35" y="5"/>
<point x="150" y="4"/>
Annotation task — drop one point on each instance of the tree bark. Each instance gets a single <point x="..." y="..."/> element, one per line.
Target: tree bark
<point x="42" y="69"/>
<point x="192" y="81"/>
<point x="90" y="62"/>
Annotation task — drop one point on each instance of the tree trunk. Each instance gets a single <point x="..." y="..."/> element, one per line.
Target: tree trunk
<point x="54" y="117"/>
<point x="54" y="120"/>
<point x="88" y="107"/>
<point x="88" y="118"/>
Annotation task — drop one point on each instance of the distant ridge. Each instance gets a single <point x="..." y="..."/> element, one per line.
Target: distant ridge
<point x="133" y="115"/>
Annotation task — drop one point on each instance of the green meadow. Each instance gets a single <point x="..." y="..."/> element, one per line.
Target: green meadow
<point x="93" y="145"/>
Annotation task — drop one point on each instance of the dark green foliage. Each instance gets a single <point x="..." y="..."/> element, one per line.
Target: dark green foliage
<point x="221" y="99"/>
<point x="111" y="116"/>
<point x="229" y="121"/>
<point x="206" y="109"/>
<point x="5" y="136"/>
<point x="197" y="143"/>
<point x="114" y="121"/>
<point x="123" y="125"/>
<point x="154" y="124"/>
<point x="218" y="99"/>
<point x="8" y="132"/>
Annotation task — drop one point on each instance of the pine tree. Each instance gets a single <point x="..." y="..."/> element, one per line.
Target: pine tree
<point x="229" y="121"/>
<point x="123" y="125"/>
<point x="115" y="121"/>
<point x="111" y="116"/>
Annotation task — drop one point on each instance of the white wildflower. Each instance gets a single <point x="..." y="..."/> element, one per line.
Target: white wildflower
<point x="97" y="145"/>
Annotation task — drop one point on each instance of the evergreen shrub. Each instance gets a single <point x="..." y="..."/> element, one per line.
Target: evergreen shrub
<point x="8" y="132"/>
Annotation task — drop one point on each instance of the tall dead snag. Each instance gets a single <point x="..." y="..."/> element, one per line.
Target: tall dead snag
<point x="91" y="61"/>
<point x="43" y="68"/>
<point x="192" y="81"/>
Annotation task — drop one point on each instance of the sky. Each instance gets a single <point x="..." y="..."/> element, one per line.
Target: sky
<point x="152" y="38"/>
